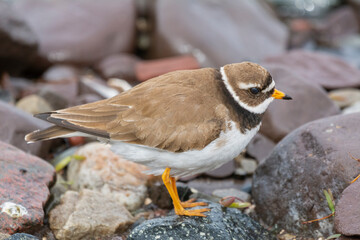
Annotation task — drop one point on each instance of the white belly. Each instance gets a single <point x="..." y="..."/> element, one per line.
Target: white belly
<point x="225" y="148"/>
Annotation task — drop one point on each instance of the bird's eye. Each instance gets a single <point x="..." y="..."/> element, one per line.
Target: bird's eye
<point x="254" y="90"/>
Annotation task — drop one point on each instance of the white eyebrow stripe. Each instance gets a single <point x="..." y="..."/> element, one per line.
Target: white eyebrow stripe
<point x="269" y="88"/>
<point x="248" y="85"/>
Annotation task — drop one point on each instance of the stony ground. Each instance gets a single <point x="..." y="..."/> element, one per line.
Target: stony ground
<point x="56" y="54"/>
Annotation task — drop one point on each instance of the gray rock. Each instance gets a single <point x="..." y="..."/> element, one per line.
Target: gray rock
<point x="347" y="211"/>
<point x="233" y="193"/>
<point x="288" y="186"/>
<point x="118" y="66"/>
<point x="18" y="43"/>
<point x="88" y="215"/>
<point x="326" y="70"/>
<point x="220" y="223"/>
<point x="224" y="171"/>
<point x="247" y="166"/>
<point x="15" y="124"/>
<point x="215" y="43"/>
<point x="310" y="102"/>
<point x="60" y="73"/>
<point x="260" y="147"/>
<point x="65" y="36"/>
<point x="22" y="236"/>
<point x="208" y="185"/>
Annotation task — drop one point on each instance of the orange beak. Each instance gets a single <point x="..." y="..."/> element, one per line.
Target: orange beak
<point x="280" y="95"/>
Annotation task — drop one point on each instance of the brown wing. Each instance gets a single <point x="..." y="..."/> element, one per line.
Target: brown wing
<point x="174" y="112"/>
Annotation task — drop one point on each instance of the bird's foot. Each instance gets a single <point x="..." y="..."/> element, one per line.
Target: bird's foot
<point x="190" y="203"/>
<point x="195" y="212"/>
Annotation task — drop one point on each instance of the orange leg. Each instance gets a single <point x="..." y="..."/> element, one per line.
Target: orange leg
<point x="179" y="209"/>
<point x="189" y="203"/>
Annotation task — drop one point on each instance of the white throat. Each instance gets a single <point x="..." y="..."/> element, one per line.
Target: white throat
<point x="259" y="109"/>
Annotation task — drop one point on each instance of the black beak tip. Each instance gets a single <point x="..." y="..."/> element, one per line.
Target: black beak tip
<point x="287" y="97"/>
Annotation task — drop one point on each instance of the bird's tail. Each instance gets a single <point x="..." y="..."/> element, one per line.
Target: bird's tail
<point x="48" y="133"/>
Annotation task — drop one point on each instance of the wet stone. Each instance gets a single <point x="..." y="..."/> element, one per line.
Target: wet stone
<point x="220" y="223"/>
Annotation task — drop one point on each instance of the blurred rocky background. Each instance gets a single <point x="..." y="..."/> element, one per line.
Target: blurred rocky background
<point x="60" y="53"/>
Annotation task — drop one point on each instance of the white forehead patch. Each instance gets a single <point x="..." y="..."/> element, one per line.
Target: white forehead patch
<point x="259" y="109"/>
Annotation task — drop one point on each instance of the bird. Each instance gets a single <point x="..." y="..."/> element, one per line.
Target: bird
<point x="177" y="124"/>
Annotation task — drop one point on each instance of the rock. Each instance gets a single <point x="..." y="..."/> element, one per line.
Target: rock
<point x="160" y="197"/>
<point x="209" y="185"/>
<point x="118" y="66"/>
<point x="224" y="171"/>
<point x="310" y="102"/>
<point x="34" y="104"/>
<point x="215" y="43"/>
<point x="112" y="28"/>
<point x="220" y="223"/>
<point x="119" y="84"/>
<point x="22" y="236"/>
<point x="338" y="24"/>
<point x="345" y="97"/>
<point x="109" y="174"/>
<point x="354" y="108"/>
<point x="24" y="182"/>
<point x="18" y="43"/>
<point x="87" y="98"/>
<point x="288" y="186"/>
<point x="347" y="211"/>
<point x="4" y="236"/>
<point x="221" y="193"/>
<point x="153" y="68"/>
<point x="260" y="147"/>
<point x="53" y="99"/>
<point x="15" y="124"/>
<point x="61" y="73"/>
<point x="312" y="67"/>
<point x="247" y="166"/>
<point x="88" y="215"/>
<point x="67" y="89"/>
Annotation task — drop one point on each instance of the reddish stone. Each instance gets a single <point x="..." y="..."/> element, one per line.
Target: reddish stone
<point x="24" y="180"/>
<point x="153" y="68"/>
<point x="75" y="141"/>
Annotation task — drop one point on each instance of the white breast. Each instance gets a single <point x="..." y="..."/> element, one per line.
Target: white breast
<point x="223" y="149"/>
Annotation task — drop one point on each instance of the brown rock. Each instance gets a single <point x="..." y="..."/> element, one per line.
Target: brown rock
<point x="217" y="33"/>
<point x="88" y="215"/>
<point x="347" y="211"/>
<point x="288" y="186"/>
<point x="260" y="147"/>
<point x="109" y="174"/>
<point x="103" y="28"/>
<point x="18" y="43"/>
<point x="312" y="67"/>
<point x="310" y="102"/>
<point x="15" y="124"/>
<point x="153" y="68"/>
<point x="24" y="182"/>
